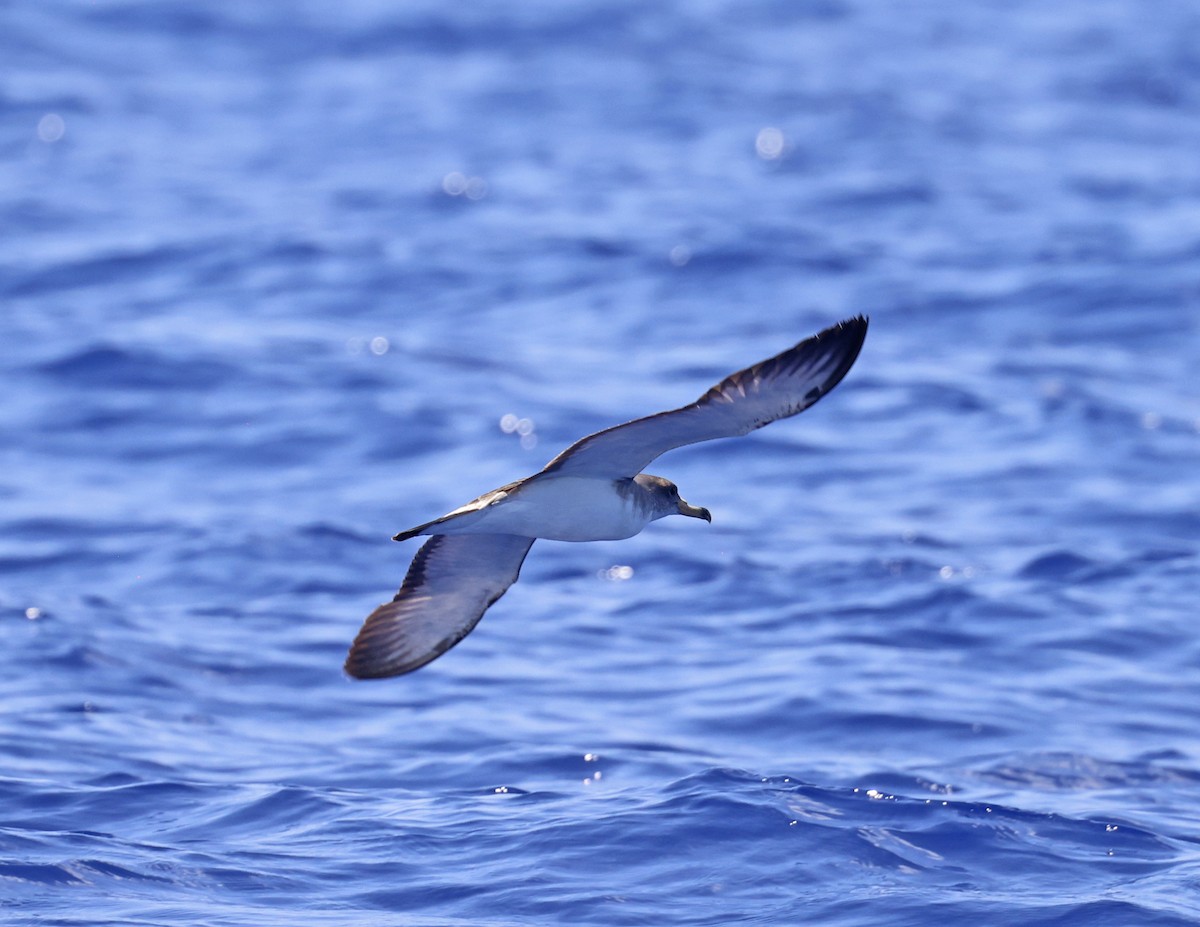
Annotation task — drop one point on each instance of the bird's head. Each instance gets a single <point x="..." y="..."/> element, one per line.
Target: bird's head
<point x="665" y="498"/>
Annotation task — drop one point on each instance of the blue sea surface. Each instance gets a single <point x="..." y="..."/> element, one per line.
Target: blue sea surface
<point x="273" y="275"/>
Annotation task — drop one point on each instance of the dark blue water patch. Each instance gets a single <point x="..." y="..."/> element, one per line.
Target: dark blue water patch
<point x="1139" y="567"/>
<point x="67" y="810"/>
<point x="101" y="868"/>
<point x="36" y="562"/>
<point x="278" y="810"/>
<point x="1164" y="83"/>
<point x="937" y="833"/>
<point x="1056" y="565"/>
<point x="884" y="726"/>
<point x="111" y="366"/>
<point x="105" y="271"/>
<point x="1068" y="771"/>
<point x="928" y="639"/>
<point x="40" y="874"/>
<point x="42" y="529"/>
<point x="1109" y="913"/>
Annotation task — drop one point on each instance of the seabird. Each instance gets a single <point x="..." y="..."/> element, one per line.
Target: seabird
<point x="595" y="490"/>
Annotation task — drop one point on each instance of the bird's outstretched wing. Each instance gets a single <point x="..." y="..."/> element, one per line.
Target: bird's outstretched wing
<point x="773" y="389"/>
<point x="451" y="583"/>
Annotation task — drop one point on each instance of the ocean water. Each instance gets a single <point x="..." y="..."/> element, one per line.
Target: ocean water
<point x="272" y="275"/>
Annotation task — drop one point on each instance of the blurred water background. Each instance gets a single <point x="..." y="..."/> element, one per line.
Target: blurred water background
<point x="271" y="277"/>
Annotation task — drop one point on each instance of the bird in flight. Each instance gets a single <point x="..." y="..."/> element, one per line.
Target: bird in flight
<point x="595" y="490"/>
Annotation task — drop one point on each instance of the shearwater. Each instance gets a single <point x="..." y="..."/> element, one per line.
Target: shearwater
<point x="594" y="490"/>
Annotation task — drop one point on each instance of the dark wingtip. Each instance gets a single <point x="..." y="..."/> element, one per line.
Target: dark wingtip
<point x="374" y="653"/>
<point x="363" y="661"/>
<point x="850" y="333"/>
<point x="360" y="665"/>
<point x="357" y="668"/>
<point x="853" y="326"/>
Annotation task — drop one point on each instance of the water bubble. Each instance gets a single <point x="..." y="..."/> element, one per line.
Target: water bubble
<point x="456" y="183"/>
<point x="51" y="128"/>
<point x="508" y="423"/>
<point x="33" y="613"/>
<point x="680" y="255"/>
<point x="769" y="144"/>
<point x="379" y="345"/>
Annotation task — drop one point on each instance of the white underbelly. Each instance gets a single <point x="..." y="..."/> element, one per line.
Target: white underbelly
<point x="561" y="509"/>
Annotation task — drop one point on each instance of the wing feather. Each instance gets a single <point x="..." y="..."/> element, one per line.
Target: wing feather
<point x="451" y="583"/>
<point x="776" y="388"/>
